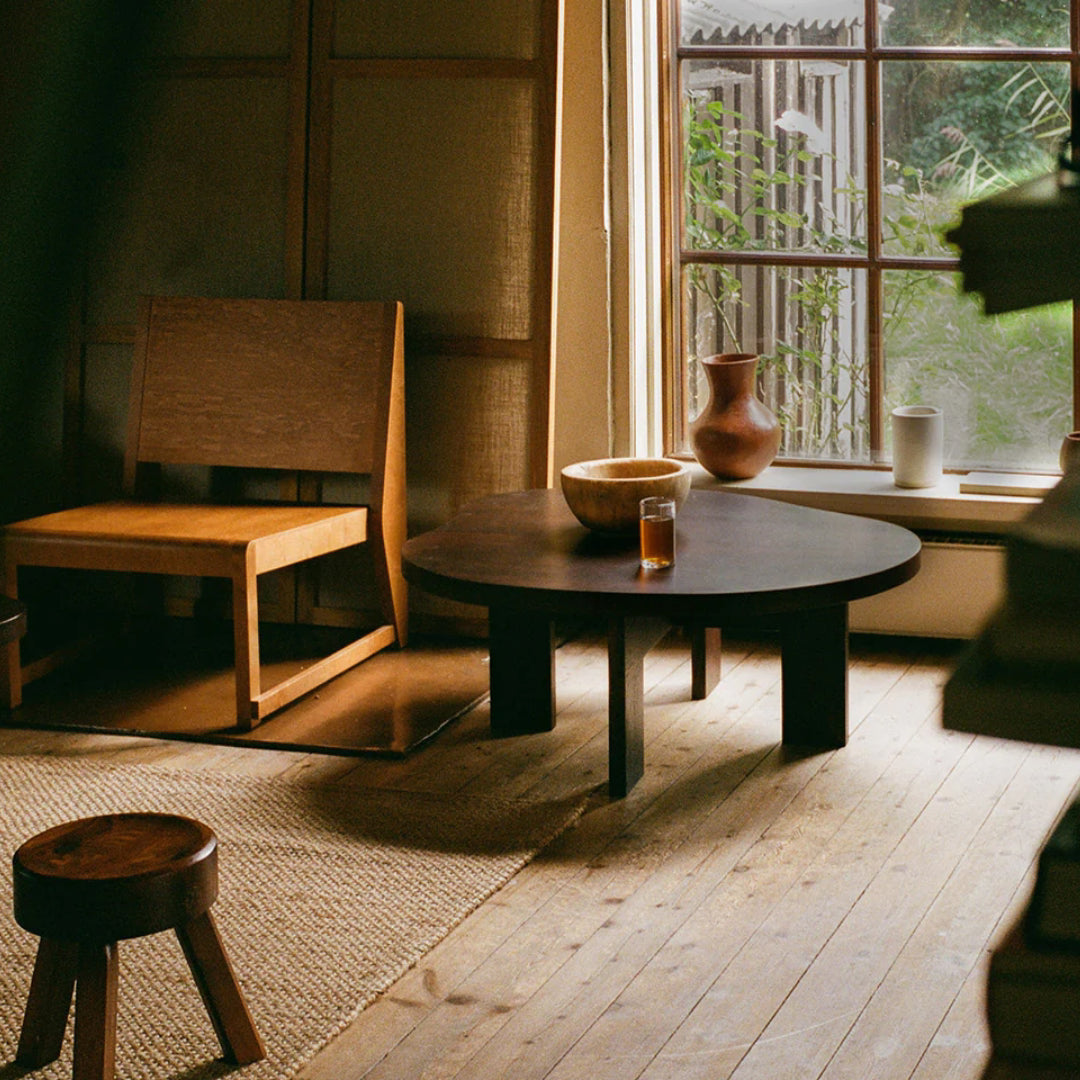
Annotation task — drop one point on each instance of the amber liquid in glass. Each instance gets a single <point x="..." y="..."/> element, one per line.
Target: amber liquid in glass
<point x="657" y="542"/>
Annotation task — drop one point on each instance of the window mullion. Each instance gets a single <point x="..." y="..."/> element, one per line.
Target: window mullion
<point x="875" y="285"/>
<point x="1074" y="85"/>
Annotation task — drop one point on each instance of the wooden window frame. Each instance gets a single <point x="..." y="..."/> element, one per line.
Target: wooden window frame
<point x="875" y="262"/>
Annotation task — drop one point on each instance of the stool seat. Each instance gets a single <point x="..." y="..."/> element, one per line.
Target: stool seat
<point x="113" y="877"/>
<point x="85" y="885"/>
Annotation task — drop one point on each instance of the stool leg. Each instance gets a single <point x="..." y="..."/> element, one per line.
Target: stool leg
<point x="220" y="991"/>
<point x="95" y="1012"/>
<point x="48" y="1004"/>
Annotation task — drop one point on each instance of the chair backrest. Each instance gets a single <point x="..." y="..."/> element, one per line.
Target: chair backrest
<point x="266" y="384"/>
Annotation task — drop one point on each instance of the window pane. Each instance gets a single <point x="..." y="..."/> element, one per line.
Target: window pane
<point x="773" y="155"/>
<point x="759" y="22"/>
<point x="1004" y="383"/>
<point x="1027" y="23"/>
<point x="808" y="326"/>
<point x="954" y="133"/>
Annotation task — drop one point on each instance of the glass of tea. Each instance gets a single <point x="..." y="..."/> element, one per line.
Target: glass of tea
<point x="657" y="532"/>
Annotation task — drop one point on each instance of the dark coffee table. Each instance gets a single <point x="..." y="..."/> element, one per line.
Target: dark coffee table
<point x="741" y="559"/>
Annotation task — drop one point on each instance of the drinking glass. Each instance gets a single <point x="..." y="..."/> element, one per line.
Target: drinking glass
<point x="657" y="532"/>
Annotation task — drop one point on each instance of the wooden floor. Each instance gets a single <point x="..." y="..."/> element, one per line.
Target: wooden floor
<point x="746" y="912"/>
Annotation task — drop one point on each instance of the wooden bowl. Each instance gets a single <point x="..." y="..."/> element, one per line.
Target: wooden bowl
<point x="604" y="494"/>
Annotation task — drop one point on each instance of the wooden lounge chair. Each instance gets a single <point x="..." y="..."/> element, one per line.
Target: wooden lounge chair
<point x="252" y="384"/>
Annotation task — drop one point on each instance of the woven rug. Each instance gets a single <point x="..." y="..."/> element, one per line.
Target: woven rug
<point x="327" y="895"/>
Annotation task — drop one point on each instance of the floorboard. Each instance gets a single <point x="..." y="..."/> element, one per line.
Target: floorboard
<point x="747" y="912"/>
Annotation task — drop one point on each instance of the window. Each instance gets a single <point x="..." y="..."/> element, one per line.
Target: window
<point x="824" y="147"/>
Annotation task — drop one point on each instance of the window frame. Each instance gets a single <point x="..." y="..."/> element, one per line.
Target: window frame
<point x="875" y="262"/>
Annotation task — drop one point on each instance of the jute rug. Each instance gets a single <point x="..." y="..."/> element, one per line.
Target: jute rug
<point x="328" y="894"/>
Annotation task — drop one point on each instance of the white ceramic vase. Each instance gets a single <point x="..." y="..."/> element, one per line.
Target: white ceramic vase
<point x="918" y="445"/>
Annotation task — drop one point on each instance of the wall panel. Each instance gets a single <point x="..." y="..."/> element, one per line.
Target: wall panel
<point x="437" y="28"/>
<point x="433" y="201"/>
<point x="346" y="149"/>
<point x="198" y="211"/>
<point x="435" y="125"/>
<point x="225" y="29"/>
<point x="468" y="435"/>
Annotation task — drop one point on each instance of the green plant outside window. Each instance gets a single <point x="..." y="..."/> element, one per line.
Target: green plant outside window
<point x="779" y="200"/>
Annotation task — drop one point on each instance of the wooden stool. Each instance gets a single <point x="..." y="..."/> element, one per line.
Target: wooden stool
<point x="83" y="886"/>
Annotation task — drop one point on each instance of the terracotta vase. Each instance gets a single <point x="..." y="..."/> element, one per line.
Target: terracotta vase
<point x="735" y="436"/>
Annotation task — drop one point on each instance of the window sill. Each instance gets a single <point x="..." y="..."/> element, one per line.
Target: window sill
<point x="871" y="493"/>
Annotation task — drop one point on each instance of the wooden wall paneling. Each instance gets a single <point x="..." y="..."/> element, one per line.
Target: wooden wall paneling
<point x="491" y="428"/>
<point x="434" y="198"/>
<point x="207" y="198"/>
<point x="317" y="193"/>
<point x="440" y="29"/>
<point x="71" y="460"/>
<point x="246" y="183"/>
<point x="228" y="29"/>
<point x="208" y="192"/>
<point x="297" y="172"/>
<point x="433" y="160"/>
<point x="440" y="183"/>
<point x="202" y="202"/>
<point x="104" y="411"/>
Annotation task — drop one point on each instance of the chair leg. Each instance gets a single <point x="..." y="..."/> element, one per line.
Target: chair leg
<point x="246" y="640"/>
<point x="220" y="991"/>
<point x="11" y="668"/>
<point x="11" y="675"/>
<point x="48" y="1004"/>
<point x="390" y="585"/>
<point x="95" y="1012"/>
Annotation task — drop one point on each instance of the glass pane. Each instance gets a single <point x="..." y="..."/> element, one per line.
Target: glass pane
<point x="1004" y="383"/>
<point x="808" y="326"/>
<point x="1026" y="23"/>
<point x="773" y="155"/>
<point x="754" y="22"/>
<point x="954" y="133"/>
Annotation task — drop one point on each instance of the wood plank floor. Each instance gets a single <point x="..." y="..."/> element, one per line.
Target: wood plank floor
<point x="745" y="912"/>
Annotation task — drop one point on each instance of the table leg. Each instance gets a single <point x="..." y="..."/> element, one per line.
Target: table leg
<point x="629" y="639"/>
<point x="705" y="656"/>
<point x="814" y="675"/>
<point x="522" y="658"/>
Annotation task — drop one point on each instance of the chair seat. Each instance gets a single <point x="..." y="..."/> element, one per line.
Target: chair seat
<point x="171" y="522"/>
<point x="200" y="536"/>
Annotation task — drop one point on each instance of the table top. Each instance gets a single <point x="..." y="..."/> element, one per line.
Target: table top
<point x="735" y="555"/>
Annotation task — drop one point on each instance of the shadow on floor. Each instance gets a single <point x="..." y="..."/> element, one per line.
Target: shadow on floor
<point x="175" y="680"/>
